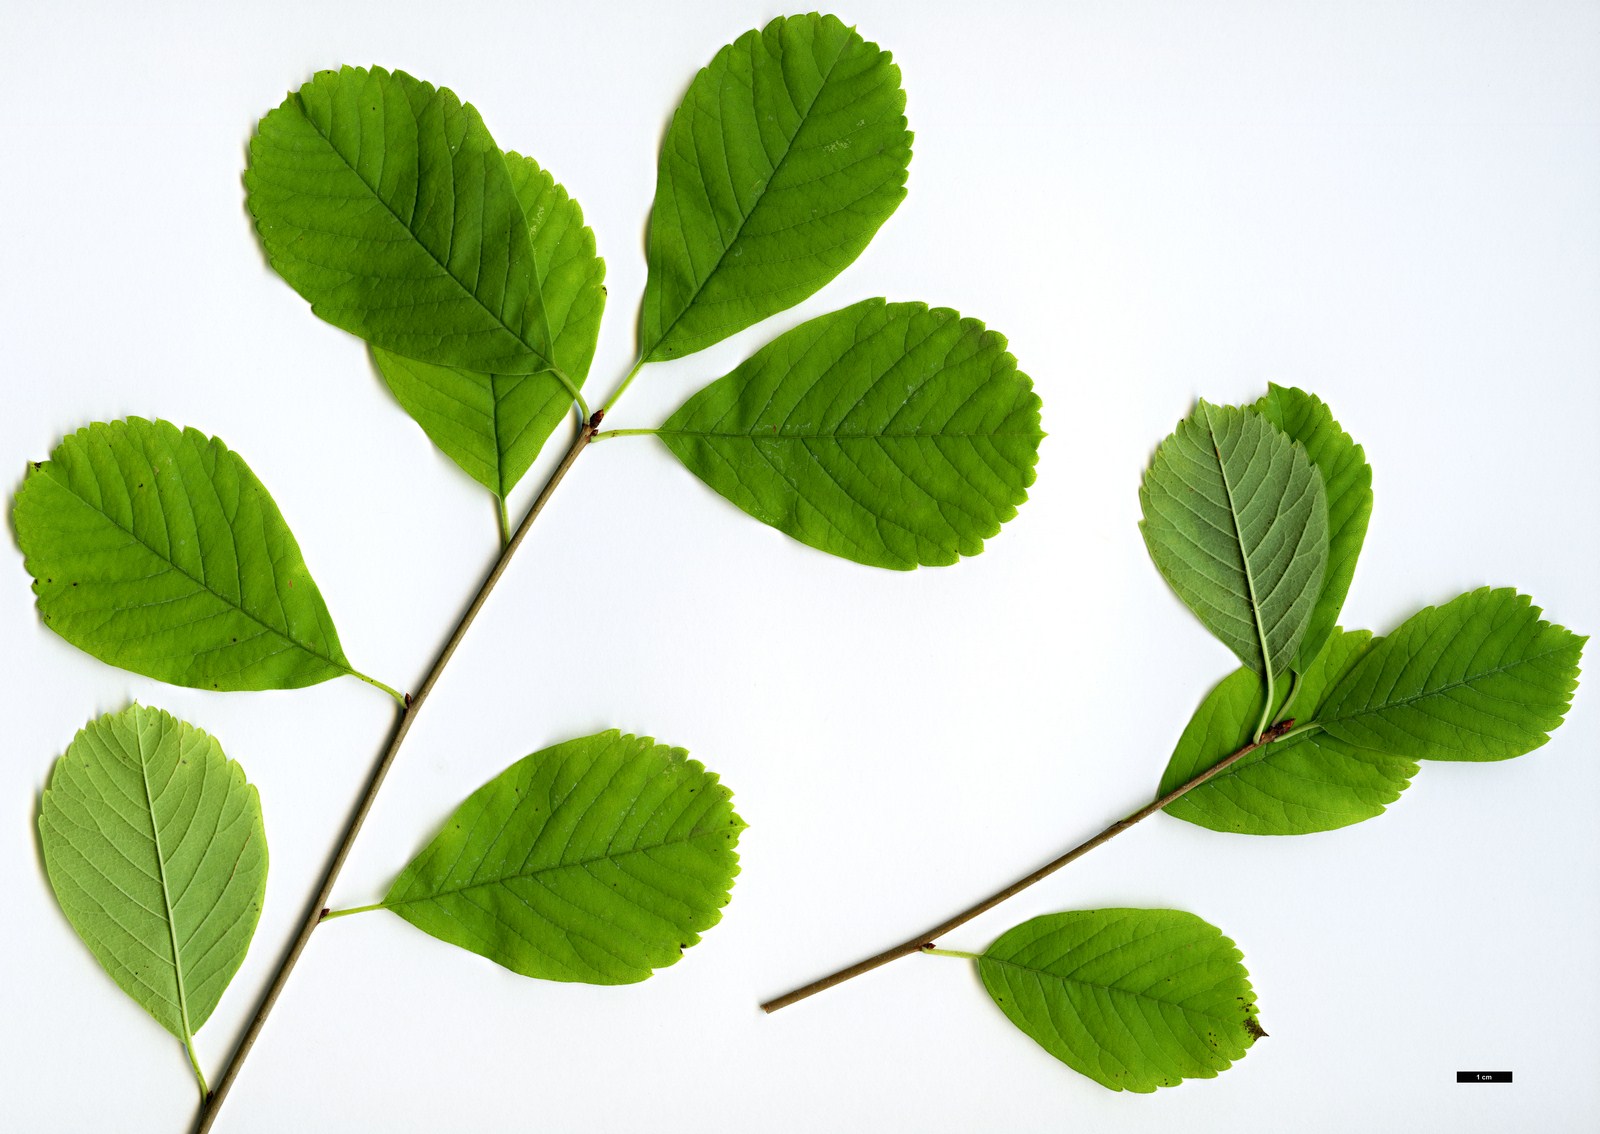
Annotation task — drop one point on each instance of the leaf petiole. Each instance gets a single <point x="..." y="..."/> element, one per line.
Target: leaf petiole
<point x="1309" y="726"/>
<point x="188" y="1046"/>
<point x="572" y="388"/>
<point x="331" y="914"/>
<point x="400" y="698"/>
<point x="1294" y="691"/>
<point x="932" y="952"/>
<point x="505" y="521"/>
<point x="609" y="433"/>
<point x="1266" y="710"/>
<point x="626" y="381"/>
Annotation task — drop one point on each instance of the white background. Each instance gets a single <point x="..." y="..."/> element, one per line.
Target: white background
<point x="1392" y="205"/>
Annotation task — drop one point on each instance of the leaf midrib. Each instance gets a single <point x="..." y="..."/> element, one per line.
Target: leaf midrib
<point x="1370" y="709"/>
<point x="788" y="436"/>
<point x="549" y="364"/>
<point x="166" y="892"/>
<point x="1110" y="988"/>
<point x="499" y="442"/>
<point x="1244" y="555"/>
<point x="736" y="827"/>
<point x="777" y="168"/>
<point x="342" y="667"/>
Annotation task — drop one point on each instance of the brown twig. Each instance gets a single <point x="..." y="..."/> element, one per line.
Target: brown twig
<point x="926" y="940"/>
<point x="413" y="705"/>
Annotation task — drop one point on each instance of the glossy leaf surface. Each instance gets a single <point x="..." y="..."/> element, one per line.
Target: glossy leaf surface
<point x="493" y="425"/>
<point x="1347" y="480"/>
<point x="1482" y="677"/>
<point x="1236" y="520"/>
<point x="159" y="551"/>
<point x="154" y="846"/>
<point x="597" y="860"/>
<point x="788" y="152"/>
<point x="1134" y="999"/>
<point x="889" y="434"/>
<point x="1311" y="782"/>
<point x="385" y="203"/>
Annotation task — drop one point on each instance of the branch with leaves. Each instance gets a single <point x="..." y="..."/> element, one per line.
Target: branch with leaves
<point x="1255" y="515"/>
<point x="892" y="434"/>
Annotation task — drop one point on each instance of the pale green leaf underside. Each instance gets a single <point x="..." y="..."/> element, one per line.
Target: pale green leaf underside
<point x="1134" y="999"/>
<point x="788" y="152"/>
<point x="1311" y="782"/>
<point x="1236" y="520"/>
<point x="597" y="860"/>
<point x="1347" y="480"/>
<point x="159" y="551"/>
<point x="386" y="204"/>
<point x="889" y="434"/>
<point x="1482" y="677"/>
<point x="154" y="846"/>
<point x="493" y="425"/>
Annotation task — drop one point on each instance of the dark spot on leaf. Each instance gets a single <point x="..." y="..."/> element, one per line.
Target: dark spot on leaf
<point x="1252" y="1026"/>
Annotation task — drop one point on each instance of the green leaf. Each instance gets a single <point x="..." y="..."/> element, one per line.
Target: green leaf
<point x="1134" y="999"/>
<point x="154" y="846"/>
<point x="597" y="860"/>
<point x="493" y="425"/>
<point x="1309" y="782"/>
<point x="159" y="551"/>
<point x="786" y="155"/>
<point x="1236" y="519"/>
<point x="1347" y="480"/>
<point x="386" y="204"/>
<point x="885" y="433"/>
<point x="1482" y="677"/>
